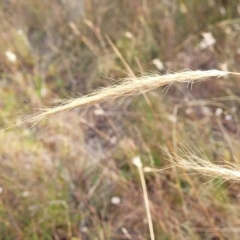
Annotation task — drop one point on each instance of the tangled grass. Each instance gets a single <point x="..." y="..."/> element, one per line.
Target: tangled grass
<point x="59" y="178"/>
<point x="135" y="86"/>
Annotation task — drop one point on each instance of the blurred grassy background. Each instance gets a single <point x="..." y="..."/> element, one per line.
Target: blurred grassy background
<point x="72" y="177"/>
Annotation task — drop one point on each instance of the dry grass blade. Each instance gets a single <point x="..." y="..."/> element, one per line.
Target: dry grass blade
<point x="189" y="161"/>
<point x="138" y="163"/>
<point x="128" y="87"/>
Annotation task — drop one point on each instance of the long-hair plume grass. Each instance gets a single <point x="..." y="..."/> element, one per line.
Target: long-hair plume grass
<point x="189" y="161"/>
<point x="128" y="87"/>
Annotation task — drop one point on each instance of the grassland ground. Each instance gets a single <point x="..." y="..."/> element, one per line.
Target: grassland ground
<point x="71" y="176"/>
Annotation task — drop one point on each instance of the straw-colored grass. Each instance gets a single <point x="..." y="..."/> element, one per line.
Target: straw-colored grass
<point x="190" y="161"/>
<point x="137" y="162"/>
<point x="129" y="87"/>
<point x="59" y="178"/>
<point x="135" y="86"/>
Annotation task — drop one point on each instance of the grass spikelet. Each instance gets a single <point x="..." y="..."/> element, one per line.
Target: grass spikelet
<point x="190" y="161"/>
<point x="128" y="87"/>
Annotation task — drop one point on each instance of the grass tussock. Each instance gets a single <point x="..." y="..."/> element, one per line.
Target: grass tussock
<point x="73" y="177"/>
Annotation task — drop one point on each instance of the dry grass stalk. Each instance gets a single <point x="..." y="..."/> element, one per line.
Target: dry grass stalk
<point x="189" y="161"/>
<point x="128" y="87"/>
<point x="138" y="163"/>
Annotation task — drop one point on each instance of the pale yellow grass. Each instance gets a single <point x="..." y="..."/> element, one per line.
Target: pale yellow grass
<point x="190" y="161"/>
<point x="138" y="163"/>
<point x="128" y="87"/>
